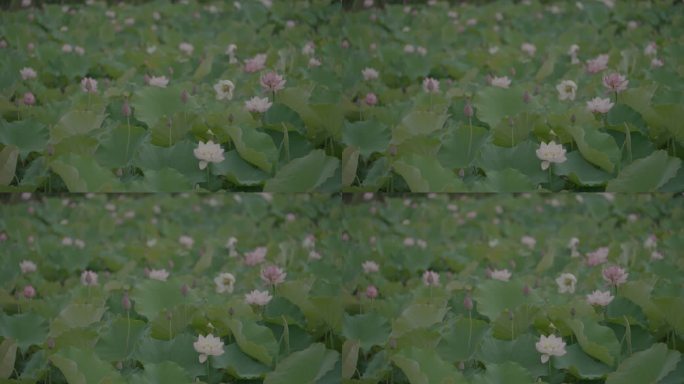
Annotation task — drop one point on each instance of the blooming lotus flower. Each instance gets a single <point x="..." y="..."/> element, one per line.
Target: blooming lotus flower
<point x="255" y="257"/>
<point x="158" y="81"/>
<point x="600" y="298"/>
<point x="655" y="255"/>
<point x="599" y="256"/>
<point x="273" y="275"/>
<point x="548" y="346"/>
<point x="27" y="266"/>
<point x="224" y="89"/>
<point x="651" y="49"/>
<point x="430" y="278"/>
<point x="501" y="82"/>
<point x="615" y="82"/>
<point x="256" y="63"/>
<point x="599" y="105"/>
<point x="615" y="275"/>
<point x="88" y="278"/>
<point x="27" y="73"/>
<point x="656" y="63"/>
<point x="598" y="64"/>
<point x="309" y="49"/>
<point x="225" y="282"/>
<point x="528" y="48"/>
<point x="550" y="153"/>
<point x="256" y="297"/>
<point x="314" y="255"/>
<point x="208" y="153"/>
<point x="89" y="85"/>
<point x="370" y="74"/>
<point x="79" y="50"/>
<point x="272" y="82"/>
<point x="566" y="90"/>
<point x="566" y="283"/>
<point x="500" y="274"/>
<point x="258" y="104"/>
<point x="158" y="274"/>
<point x="651" y="242"/>
<point x="370" y="266"/>
<point x="408" y="48"/>
<point x="314" y="62"/>
<point x="430" y="85"/>
<point x="186" y="241"/>
<point x="528" y="241"/>
<point x="421" y="50"/>
<point x="67" y="48"/>
<point x="208" y="345"/>
<point x="371" y="292"/>
<point x="186" y="48"/>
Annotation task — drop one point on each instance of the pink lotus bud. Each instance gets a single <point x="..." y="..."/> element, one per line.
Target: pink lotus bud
<point x="29" y="292"/>
<point x="29" y="99"/>
<point x="526" y="290"/>
<point x="468" y="303"/>
<point x="126" y="302"/>
<point x="468" y="110"/>
<point x="371" y="292"/>
<point x="126" y="109"/>
<point x="527" y="98"/>
<point x="345" y="44"/>
<point x="185" y="289"/>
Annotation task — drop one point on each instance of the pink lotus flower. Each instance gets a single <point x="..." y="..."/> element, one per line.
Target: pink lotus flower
<point x="528" y="48"/>
<point x="599" y="105"/>
<point x="371" y="292"/>
<point x="615" y="275"/>
<point x="273" y="275"/>
<point x="88" y="278"/>
<point x="29" y="99"/>
<point x="272" y="82"/>
<point x="258" y="298"/>
<point x="158" y="274"/>
<point x="186" y="48"/>
<point x="548" y="346"/>
<point x="656" y="63"/>
<point x="600" y="298"/>
<point x="597" y="64"/>
<point x="430" y="278"/>
<point x="256" y="63"/>
<point x="597" y="257"/>
<point x="529" y="241"/>
<point x="29" y="292"/>
<point x="255" y="257"/>
<point x="615" y="82"/>
<point x="186" y="241"/>
<point x="371" y="99"/>
<point x="89" y="85"/>
<point x="258" y="104"/>
<point x="430" y="85"/>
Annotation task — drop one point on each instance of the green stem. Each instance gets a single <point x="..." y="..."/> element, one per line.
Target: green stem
<point x="470" y="138"/>
<point x="470" y="327"/>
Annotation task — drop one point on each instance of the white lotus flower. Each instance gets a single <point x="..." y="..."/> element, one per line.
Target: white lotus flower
<point x="208" y="153"/>
<point x="186" y="48"/>
<point x="566" y="90"/>
<point x="370" y="74"/>
<point x="501" y="82"/>
<point x="600" y="298"/>
<point x="370" y="266"/>
<point x="548" y="346"/>
<point x="88" y="85"/>
<point x="551" y="153"/>
<point x="224" y="89"/>
<point x="258" y="104"/>
<point x="28" y="73"/>
<point x="159" y="274"/>
<point x="500" y="274"/>
<point x="27" y="266"/>
<point x="225" y="282"/>
<point x="528" y="48"/>
<point x="88" y="278"/>
<point x="257" y="297"/>
<point x="208" y="345"/>
<point x="599" y="105"/>
<point x="158" y="81"/>
<point x="566" y="283"/>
